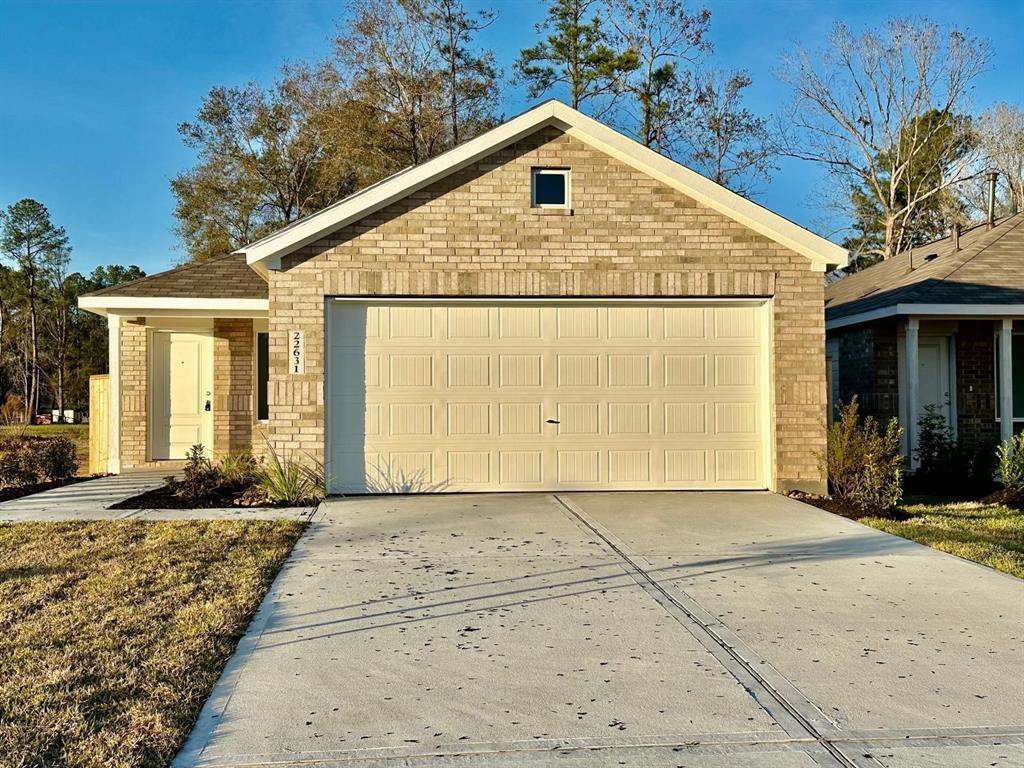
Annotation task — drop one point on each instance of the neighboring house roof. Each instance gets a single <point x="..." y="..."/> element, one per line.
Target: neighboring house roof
<point x="988" y="269"/>
<point x="224" y="282"/>
<point x="267" y="252"/>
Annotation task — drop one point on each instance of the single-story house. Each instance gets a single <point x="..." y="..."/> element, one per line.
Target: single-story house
<point x="938" y="325"/>
<point x="547" y="306"/>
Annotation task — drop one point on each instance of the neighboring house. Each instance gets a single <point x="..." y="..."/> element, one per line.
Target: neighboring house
<point x="547" y="306"/>
<point x="935" y="326"/>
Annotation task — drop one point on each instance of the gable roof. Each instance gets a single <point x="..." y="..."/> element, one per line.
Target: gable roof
<point x="267" y="252"/>
<point x="222" y="282"/>
<point x="988" y="269"/>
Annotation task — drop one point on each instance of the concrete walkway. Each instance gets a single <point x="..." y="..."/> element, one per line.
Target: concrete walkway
<point x="646" y="629"/>
<point x="92" y="499"/>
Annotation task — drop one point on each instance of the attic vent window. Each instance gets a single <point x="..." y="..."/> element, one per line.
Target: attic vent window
<point x="550" y="188"/>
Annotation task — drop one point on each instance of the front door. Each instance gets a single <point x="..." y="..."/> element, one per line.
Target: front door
<point x="933" y="376"/>
<point x="182" y="393"/>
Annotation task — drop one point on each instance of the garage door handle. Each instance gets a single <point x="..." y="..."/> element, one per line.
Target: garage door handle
<point x="553" y="421"/>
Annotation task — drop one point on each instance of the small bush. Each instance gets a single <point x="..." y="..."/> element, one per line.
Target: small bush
<point x="58" y="459"/>
<point x="238" y="469"/>
<point x="863" y="462"/>
<point x="286" y="481"/>
<point x="200" y="480"/>
<point x="947" y="467"/>
<point x="1011" y="461"/>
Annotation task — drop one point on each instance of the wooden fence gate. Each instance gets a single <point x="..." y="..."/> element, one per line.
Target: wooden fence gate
<point x="99" y="423"/>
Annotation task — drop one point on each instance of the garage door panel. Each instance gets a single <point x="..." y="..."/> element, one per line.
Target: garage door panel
<point x="492" y="397"/>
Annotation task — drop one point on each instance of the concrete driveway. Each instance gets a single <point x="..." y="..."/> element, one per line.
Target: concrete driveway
<point x="644" y="629"/>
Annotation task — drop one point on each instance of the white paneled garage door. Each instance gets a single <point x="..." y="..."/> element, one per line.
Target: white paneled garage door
<point x="517" y="396"/>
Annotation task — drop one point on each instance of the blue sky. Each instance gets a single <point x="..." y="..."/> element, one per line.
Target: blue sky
<point x="91" y="92"/>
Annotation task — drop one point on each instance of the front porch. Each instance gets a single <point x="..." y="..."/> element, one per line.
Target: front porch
<point x="967" y="367"/>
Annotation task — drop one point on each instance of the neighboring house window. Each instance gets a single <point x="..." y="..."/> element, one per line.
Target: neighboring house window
<point x="1018" y="377"/>
<point x="262" y="375"/>
<point x="550" y="187"/>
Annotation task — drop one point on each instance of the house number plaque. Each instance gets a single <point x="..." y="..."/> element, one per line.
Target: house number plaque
<point x="296" y="352"/>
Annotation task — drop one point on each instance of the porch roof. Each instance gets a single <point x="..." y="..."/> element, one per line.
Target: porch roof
<point x="222" y="285"/>
<point x="985" y="277"/>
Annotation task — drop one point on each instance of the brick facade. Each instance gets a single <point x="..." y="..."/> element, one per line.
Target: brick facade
<point x="475" y="234"/>
<point x="976" y="383"/>
<point x="868" y="368"/>
<point x="234" y="426"/>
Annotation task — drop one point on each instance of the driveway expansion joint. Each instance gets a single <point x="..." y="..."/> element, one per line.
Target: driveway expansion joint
<point x="795" y="714"/>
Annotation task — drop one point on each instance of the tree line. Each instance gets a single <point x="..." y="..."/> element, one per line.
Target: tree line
<point x="885" y="111"/>
<point x="48" y="346"/>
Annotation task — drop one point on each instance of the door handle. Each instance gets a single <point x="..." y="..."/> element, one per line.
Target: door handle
<point x="553" y="421"/>
<point x="207" y="407"/>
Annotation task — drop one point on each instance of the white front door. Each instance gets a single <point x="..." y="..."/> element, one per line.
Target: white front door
<point x="514" y="395"/>
<point x="181" y="393"/>
<point x="933" y="376"/>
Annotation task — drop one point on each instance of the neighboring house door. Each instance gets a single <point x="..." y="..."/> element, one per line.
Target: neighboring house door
<point x="181" y="393"/>
<point x="535" y="396"/>
<point x="934" y="376"/>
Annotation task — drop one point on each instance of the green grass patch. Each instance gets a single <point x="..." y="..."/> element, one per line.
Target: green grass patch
<point x="990" y="534"/>
<point x="113" y="633"/>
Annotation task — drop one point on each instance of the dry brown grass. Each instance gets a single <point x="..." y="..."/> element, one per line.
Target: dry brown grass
<point x="112" y="634"/>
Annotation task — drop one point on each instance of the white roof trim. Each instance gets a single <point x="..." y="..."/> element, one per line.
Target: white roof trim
<point x="822" y="253"/>
<point x="948" y="310"/>
<point x="102" y="304"/>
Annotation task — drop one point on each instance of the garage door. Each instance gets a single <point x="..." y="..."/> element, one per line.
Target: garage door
<point x="516" y="396"/>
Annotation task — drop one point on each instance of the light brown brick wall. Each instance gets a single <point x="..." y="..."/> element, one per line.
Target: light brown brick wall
<point x="234" y="426"/>
<point x="474" y="234"/>
<point x="233" y="386"/>
<point x="134" y="393"/>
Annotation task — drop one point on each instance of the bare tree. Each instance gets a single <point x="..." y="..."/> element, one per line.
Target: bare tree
<point x="388" y="53"/>
<point x="470" y="77"/>
<point x="667" y="39"/>
<point x="1000" y="133"/>
<point x="858" y="105"/>
<point x="728" y="142"/>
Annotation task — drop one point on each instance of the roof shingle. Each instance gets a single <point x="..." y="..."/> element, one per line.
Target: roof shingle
<point x="988" y="269"/>
<point x="224" y="277"/>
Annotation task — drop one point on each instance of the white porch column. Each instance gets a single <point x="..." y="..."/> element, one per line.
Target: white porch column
<point x="913" y="371"/>
<point x="1006" y="380"/>
<point x="114" y="394"/>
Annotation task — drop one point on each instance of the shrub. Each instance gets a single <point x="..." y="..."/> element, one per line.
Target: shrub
<point x="286" y="481"/>
<point x="200" y="480"/>
<point x="28" y="460"/>
<point x="1011" y="461"/>
<point x="946" y="466"/>
<point x="238" y="469"/>
<point x="863" y="462"/>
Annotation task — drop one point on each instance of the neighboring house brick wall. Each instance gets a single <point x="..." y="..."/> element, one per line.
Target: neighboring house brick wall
<point x="976" y="383"/>
<point x="474" y="234"/>
<point x="868" y="368"/>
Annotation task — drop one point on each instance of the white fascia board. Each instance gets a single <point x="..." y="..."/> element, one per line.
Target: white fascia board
<point x="929" y="310"/>
<point x="821" y="252"/>
<point x="101" y="305"/>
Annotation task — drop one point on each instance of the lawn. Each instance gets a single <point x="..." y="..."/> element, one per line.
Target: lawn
<point x="113" y="633"/>
<point x="990" y="534"/>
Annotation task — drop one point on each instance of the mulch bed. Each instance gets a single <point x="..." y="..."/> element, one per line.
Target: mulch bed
<point x="837" y="506"/>
<point x="166" y="498"/>
<point x="1008" y="497"/>
<point x="8" y="494"/>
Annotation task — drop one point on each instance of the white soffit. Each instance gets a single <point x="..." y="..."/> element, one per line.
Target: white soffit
<point x="822" y="253"/>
